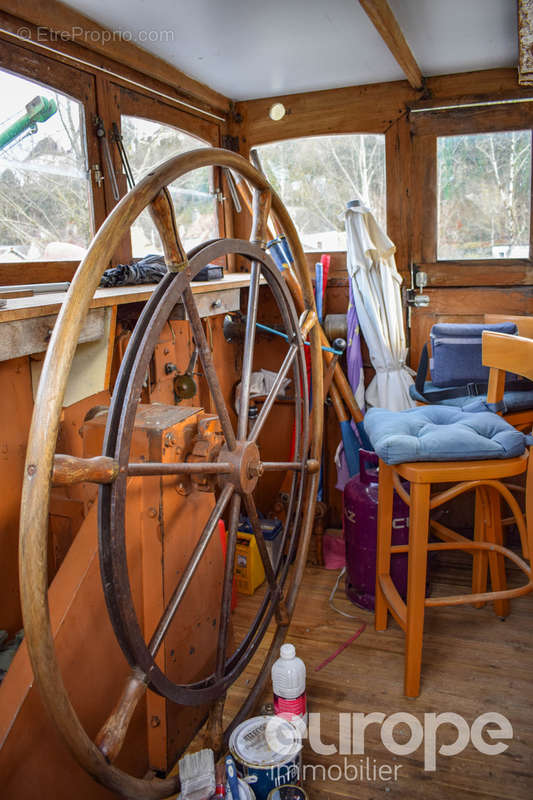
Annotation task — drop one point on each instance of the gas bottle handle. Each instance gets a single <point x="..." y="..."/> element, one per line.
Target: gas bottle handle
<point x="366" y="458"/>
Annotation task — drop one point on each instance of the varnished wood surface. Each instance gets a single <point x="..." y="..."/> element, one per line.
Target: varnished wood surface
<point x="50" y="303"/>
<point x="472" y="663"/>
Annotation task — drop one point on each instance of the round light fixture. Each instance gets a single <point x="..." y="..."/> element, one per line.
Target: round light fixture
<point x="277" y="112"/>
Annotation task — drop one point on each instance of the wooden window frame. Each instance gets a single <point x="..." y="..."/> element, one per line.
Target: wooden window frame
<point x="426" y="128"/>
<point x="131" y="103"/>
<point x="80" y="86"/>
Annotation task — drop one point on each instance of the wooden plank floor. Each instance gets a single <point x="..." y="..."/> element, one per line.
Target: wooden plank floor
<point x="473" y="663"/>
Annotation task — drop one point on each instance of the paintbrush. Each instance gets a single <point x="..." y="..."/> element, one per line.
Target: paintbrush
<point x="197" y="775"/>
<point x="231" y="775"/>
<point x="220" y="779"/>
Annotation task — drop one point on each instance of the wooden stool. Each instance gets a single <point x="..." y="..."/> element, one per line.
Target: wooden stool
<point x="485" y="478"/>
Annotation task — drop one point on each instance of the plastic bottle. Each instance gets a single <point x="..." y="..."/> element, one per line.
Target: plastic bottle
<point x="288" y="683"/>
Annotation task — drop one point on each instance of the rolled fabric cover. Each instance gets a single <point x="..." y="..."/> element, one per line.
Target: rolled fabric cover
<point x="149" y="269"/>
<point x="456" y="352"/>
<point x="441" y="433"/>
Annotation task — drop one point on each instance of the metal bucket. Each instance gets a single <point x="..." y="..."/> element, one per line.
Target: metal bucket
<point x="263" y="767"/>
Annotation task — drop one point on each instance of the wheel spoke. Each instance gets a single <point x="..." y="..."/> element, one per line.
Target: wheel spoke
<point x="311" y="465"/>
<point x="181" y="588"/>
<point x="274" y="391"/>
<point x="227" y="588"/>
<point x="211" y="376"/>
<point x="179" y="468"/>
<point x="248" y="358"/>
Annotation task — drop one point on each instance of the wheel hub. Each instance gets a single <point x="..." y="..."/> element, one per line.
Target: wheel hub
<point x="247" y="466"/>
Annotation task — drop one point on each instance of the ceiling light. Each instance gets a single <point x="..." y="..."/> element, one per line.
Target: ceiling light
<point x="277" y="112"/>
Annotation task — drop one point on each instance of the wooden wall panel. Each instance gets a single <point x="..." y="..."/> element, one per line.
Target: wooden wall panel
<point x="17" y="407"/>
<point x="357" y="109"/>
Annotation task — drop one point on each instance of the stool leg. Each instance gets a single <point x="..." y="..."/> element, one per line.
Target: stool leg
<point x="494" y="534"/>
<point x="529" y="508"/>
<point x="383" y="545"/>
<point x="416" y="585"/>
<point x="480" y="560"/>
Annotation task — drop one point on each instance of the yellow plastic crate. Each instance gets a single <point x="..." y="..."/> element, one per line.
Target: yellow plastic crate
<point x="249" y="570"/>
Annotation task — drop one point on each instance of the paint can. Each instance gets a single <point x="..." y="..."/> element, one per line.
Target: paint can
<point x="267" y="752"/>
<point x="288" y="792"/>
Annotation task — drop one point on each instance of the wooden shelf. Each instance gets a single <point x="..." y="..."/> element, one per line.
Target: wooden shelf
<point x="41" y="305"/>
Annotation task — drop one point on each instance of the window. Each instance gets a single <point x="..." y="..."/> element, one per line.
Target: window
<point x="148" y="143"/>
<point x="484" y="190"/>
<point x="45" y="194"/>
<point x="316" y="176"/>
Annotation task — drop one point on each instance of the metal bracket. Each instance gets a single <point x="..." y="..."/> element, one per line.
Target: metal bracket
<point x="230" y="143"/>
<point x="416" y="300"/>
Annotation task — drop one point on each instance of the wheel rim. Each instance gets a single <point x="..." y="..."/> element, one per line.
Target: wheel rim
<point x="113" y="556"/>
<point x="42" y="442"/>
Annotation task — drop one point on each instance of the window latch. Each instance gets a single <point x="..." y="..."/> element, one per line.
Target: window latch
<point x="421" y="280"/>
<point x="98" y="176"/>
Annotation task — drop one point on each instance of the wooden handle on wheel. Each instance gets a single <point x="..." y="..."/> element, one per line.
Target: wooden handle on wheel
<point x="69" y="470"/>
<point x="111" y="735"/>
<point x="162" y="213"/>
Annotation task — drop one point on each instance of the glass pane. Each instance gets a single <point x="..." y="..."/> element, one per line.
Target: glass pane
<point x="45" y="197"/>
<point x="149" y="143"/>
<point x="316" y="176"/>
<point x="484" y="195"/>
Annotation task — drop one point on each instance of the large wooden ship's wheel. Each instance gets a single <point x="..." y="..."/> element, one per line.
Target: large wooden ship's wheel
<point x="238" y="468"/>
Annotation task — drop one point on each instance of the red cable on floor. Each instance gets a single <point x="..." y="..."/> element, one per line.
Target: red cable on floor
<point x="341" y="648"/>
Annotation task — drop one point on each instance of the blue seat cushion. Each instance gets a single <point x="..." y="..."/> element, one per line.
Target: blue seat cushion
<point x="441" y="433"/>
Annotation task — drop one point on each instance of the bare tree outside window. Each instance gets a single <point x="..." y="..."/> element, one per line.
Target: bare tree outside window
<point x="44" y="182"/>
<point x="149" y="143"/>
<point x="316" y="176"/>
<point x="484" y="190"/>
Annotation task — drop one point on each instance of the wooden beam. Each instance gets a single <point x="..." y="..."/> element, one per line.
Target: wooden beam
<point x="371" y="108"/>
<point x="387" y="26"/>
<point x="66" y="24"/>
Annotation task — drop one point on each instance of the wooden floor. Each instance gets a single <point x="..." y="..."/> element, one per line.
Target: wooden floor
<point x="473" y="663"/>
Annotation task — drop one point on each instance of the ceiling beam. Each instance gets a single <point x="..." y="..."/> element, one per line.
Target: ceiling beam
<point x="387" y="26"/>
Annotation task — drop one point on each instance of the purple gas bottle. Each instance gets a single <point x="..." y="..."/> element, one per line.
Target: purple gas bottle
<point x="360" y="500"/>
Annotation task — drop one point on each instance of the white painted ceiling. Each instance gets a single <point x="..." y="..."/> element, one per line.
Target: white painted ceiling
<point x="259" y="48"/>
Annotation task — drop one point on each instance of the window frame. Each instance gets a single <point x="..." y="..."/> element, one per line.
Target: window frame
<point x="80" y="87"/>
<point x="324" y="135"/>
<point x="427" y="127"/>
<point x="131" y="103"/>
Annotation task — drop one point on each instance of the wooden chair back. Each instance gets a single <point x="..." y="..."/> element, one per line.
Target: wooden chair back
<point x="523" y="324"/>
<point x="505" y="353"/>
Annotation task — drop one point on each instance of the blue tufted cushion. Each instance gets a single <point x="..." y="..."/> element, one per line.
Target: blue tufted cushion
<point x="441" y="433"/>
